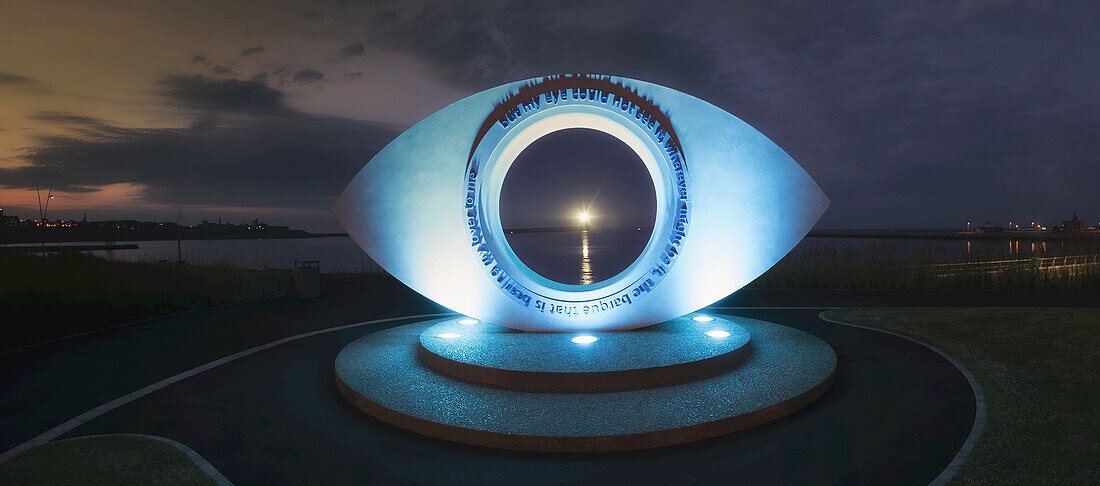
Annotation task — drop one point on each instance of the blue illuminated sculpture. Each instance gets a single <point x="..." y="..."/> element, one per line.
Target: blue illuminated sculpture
<point x="730" y="204"/>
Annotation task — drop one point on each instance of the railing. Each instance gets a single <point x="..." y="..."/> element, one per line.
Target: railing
<point x="1042" y="263"/>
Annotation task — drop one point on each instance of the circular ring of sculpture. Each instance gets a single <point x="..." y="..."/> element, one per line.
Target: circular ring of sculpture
<point x="664" y="354"/>
<point x="742" y="206"/>
<point x="748" y="203"/>
<point x="560" y="104"/>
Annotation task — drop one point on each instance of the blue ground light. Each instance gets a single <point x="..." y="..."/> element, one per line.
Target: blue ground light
<point x="785" y="370"/>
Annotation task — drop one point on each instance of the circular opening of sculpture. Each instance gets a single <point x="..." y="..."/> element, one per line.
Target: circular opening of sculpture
<point x="578" y="206"/>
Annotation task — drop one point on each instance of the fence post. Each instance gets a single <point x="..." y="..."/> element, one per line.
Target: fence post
<point x="307" y="278"/>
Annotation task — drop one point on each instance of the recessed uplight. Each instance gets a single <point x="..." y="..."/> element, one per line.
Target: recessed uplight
<point x="584" y="339"/>
<point x="448" y="335"/>
<point x="467" y="322"/>
<point x="718" y="334"/>
<point x="702" y="318"/>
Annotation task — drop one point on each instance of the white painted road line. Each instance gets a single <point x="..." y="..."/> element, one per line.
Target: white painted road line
<point x="944" y="477"/>
<point x="810" y="307"/>
<point x="123" y="400"/>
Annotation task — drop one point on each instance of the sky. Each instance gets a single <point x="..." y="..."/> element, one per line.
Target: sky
<point x="908" y="114"/>
<point x="568" y="172"/>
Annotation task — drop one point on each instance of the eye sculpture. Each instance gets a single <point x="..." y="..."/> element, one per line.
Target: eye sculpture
<point x="730" y="204"/>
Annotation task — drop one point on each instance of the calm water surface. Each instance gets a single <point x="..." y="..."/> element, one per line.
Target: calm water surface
<point x="562" y="256"/>
<point x="579" y="257"/>
<point x="335" y="254"/>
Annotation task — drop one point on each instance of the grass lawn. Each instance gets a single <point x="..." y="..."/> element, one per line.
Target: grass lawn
<point x="1040" y="371"/>
<point x="103" y="460"/>
<point x="44" y="298"/>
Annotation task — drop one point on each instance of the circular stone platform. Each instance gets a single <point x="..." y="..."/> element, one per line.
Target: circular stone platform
<point x="670" y="352"/>
<point x="782" y="370"/>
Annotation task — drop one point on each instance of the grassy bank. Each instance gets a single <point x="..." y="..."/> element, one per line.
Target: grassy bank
<point x="894" y="267"/>
<point x="103" y="460"/>
<point x="47" y="297"/>
<point x="842" y="275"/>
<point x="1037" y="369"/>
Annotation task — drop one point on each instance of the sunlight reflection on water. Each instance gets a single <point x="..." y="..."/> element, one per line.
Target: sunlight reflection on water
<point x="586" y="262"/>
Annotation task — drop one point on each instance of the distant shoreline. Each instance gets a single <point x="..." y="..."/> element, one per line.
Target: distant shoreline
<point x="881" y="234"/>
<point x="569" y="229"/>
<point x="122" y="242"/>
<point x="953" y="235"/>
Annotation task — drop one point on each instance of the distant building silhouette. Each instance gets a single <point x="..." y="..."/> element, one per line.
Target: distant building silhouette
<point x="1074" y="225"/>
<point x="29" y="230"/>
<point x="8" y="220"/>
<point x="989" y="228"/>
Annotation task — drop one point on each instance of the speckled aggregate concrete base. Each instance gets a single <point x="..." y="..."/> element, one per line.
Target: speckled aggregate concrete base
<point x="783" y="370"/>
<point x="667" y="353"/>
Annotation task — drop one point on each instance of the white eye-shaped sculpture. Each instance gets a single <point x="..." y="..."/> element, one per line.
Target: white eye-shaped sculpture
<point x="730" y="204"/>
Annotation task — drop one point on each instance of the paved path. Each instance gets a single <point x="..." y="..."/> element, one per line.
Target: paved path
<point x="898" y="411"/>
<point x="44" y="386"/>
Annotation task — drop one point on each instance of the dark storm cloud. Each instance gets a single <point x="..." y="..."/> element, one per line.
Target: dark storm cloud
<point x="906" y="113"/>
<point x="246" y="149"/>
<point x="350" y="51"/>
<point x="229" y="95"/>
<point x="308" y="76"/>
<point x="252" y="50"/>
<point x="62" y="118"/>
<point x="23" y="84"/>
<point x="222" y="71"/>
<point x="481" y="45"/>
<point x="8" y="78"/>
<point x="913" y="116"/>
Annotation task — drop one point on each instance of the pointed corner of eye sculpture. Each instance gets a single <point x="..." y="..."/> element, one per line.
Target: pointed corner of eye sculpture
<point x="730" y="204"/>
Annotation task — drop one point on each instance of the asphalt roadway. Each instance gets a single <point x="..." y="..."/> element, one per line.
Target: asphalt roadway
<point x="898" y="411"/>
